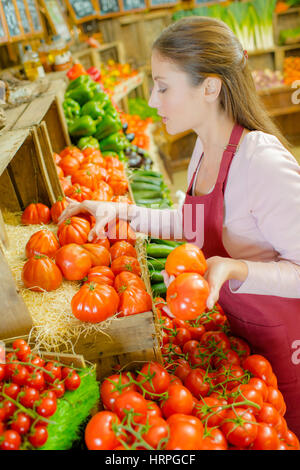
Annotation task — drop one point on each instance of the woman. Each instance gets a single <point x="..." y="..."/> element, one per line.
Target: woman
<point x="248" y="183"/>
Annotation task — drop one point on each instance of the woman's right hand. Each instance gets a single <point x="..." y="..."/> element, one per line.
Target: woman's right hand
<point x="104" y="212"/>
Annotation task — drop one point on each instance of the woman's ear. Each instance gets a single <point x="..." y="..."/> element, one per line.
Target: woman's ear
<point x="212" y="88"/>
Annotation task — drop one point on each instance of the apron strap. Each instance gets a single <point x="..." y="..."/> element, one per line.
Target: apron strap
<point x="194" y="174"/>
<point x="229" y="152"/>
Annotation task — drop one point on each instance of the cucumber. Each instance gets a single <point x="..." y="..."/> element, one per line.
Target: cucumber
<point x="155" y="200"/>
<point x="156" y="277"/>
<point x="148" y="180"/>
<point x="173" y="243"/>
<point x="157" y="264"/>
<point x="159" y="290"/>
<point x="158" y="251"/>
<point x="142" y="187"/>
<point x="152" y="173"/>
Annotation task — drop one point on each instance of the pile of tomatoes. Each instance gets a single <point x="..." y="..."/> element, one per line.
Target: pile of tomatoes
<point x="209" y="393"/>
<point x="30" y="389"/>
<point x="108" y="266"/>
<point x="86" y="174"/>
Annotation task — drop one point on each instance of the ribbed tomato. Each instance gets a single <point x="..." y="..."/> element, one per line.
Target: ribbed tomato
<point x="94" y="302"/>
<point x="187" y="295"/>
<point x="100" y="256"/>
<point x="120" y="230"/>
<point x="126" y="263"/>
<point x="86" y="178"/>
<point x="73" y="152"/>
<point x="102" y="275"/>
<point x="65" y="184"/>
<point x="122" y="248"/>
<point x="69" y="165"/>
<point x="43" y="242"/>
<point x="73" y="230"/>
<point x="101" y="239"/>
<point x="113" y="162"/>
<point x="134" y="300"/>
<point x="36" y="214"/>
<point x="57" y="208"/>
<point x="103" y="192"/>
<point x="127" y="279"/>
<point x="41" y="273"/>
<point x="186" y="258"/>
<point x="78" y="192"/>
<point x="73" y="261"/>
<point x="59" y="171"/>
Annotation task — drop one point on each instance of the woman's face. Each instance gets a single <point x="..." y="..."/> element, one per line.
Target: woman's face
<point x="181" y="105"/>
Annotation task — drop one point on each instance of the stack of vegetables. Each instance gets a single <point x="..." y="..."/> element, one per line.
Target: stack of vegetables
<point x="108" y="266"/>
<point x="291" y="69"/>
<point x="94" y="121"/>
<point x="113" y="73"/>
<point x="149" y="189"/>
<point x="210" y="393"/>
<point x="252" y="22"/>
<point x="135" y="130"/>
<point x="267" y="78"/>
<point x="38" y="398"/>
<point x="140" y="107"/>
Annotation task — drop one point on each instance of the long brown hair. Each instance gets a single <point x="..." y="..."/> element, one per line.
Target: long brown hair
<point x="203" y="46"/>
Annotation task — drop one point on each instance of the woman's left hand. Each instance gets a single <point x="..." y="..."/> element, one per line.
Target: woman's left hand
<point x="220" y="270"/>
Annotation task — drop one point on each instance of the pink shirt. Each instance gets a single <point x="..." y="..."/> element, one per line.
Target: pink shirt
<point x="261" y="217"/>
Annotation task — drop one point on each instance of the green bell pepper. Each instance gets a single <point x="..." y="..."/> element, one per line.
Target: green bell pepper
<point x="101" y="97"/>
<point x="92" y="108"/>
<point x="120" y="155"/>
<point x="88" y="141"/>
<point x="84" y="91"/>
<point x="82" y="126"/>
<point x="114" y="142"/>
<point x="71" y="109"/>
<point x="81" y="80"/>
<point x="108" y="125"/>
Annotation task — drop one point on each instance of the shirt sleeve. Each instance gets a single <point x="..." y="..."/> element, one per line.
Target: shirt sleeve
<point x="273" y="191"/>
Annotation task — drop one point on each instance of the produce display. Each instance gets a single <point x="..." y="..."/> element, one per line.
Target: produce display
<point x="140" y="107"/>
<point x="267" y="78"/>
<point x="113" y="73"/>
<point x="38" y="398"/>
<point x="210" y="393"/>
<point x="252" y="22"/>
<point x="149" y="189"/>
<point x="291" y="69"/>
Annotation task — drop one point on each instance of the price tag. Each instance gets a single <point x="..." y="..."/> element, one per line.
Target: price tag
<point x="107" y="7"/>
<point x="35" y="17"/>
<point x="130" y="5"/>
<point x="82" y="10"/>
<point x="13" y="26"/>
<point x="24" y="16"/>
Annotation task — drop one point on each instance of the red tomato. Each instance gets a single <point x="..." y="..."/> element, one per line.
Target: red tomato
<point x="240" y="346"/>
<point x="122" y="248"/>
<point x="186" y="258"/>
<point x="260" y="386"/>
<point x="215" y="340"/>
<point x="113" y="386"/>
<point x="57" y="208"/>
<point x="230" y="376"/>
<point x="180" y="336"/>
<point x="292" y="440"/>
<point x="158" y="432"/>
<point x="73" y="230"/>
<point x="134" y="403"/>
<point x="72" y="382"/>
<point x="133" y="301"/>
<point x="120" y="230"/>
<point x="43" y="242"/>
<point x="29" y="396"/>
<point x="259" y="366"/>
<point x="186" y="432"/>
<point x="73" y="261"/>
<point x="276" y="399"/>
<point x="95" y="302"/>
<point x="210" y="411"/>
<point x="39" y="436"/>
<point x="126" y="263"/>
<point x="197" y="383"/>
<point x="40" y="274"/>
<point x="180" y="400"/>
<point x="181" y="368"/>
<point x="21" y="423"/>
<point x="154" y="379"/>
<point x="240" y="427"/>
<point x="214" y="439"/>
<point x="101" y="275"/>
<point x="36" y="214"/>
<point x="244" y="392"/>
<point x="266" y="439"/>
<point x="99" y="434"/>
<point x="127" y="279"/>
<point x="78" y="193"/>
<point x="100" y="256"/>
<point x="11" y="440"/>
<point x="187" y="295"/>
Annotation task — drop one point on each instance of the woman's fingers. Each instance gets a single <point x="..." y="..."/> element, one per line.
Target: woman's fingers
<point x="73" y="208"/>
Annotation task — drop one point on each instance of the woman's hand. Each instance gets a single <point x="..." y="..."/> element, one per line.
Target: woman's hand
<point x="220" y="270"/>
<point x="104" y="212"/>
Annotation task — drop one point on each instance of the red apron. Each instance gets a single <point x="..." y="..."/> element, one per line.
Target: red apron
<point x="269" y="324"/>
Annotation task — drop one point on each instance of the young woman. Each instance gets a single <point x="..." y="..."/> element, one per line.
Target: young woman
<point x="244" y="176"/>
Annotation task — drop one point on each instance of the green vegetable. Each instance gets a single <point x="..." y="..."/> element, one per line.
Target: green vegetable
<point x="86" y="142"/>
<point x="71" y="109"/>
<point x="114" y="142"/>
<point x="101" y="97"/>
<point x="156" y="264"/>
<point x="82" y="89"/>
<point x="152" y="193"/>
<point x="151" y="173"/>
<point x="149" y="202"/>
<point x="159" y="290"/>
<point x="92" y="108"/>
<point x="156" y="276"/>
<point x="158" y="251"/>
<point x="173" y="243"/>
<point x="107" y="126"/>
<point x="148" y="180"/>
<point x="82" y="126"/>
<point x="140" y="107"/>
<point x="144" y="187"/>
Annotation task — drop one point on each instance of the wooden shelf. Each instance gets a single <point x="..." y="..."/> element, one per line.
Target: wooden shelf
<point x="282" y="111"/>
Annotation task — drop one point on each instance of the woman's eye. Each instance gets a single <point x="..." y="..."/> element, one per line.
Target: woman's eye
<point x="162" y="90"/>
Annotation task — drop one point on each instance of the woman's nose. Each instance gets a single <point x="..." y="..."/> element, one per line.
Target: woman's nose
<point x="153" y="99"/>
